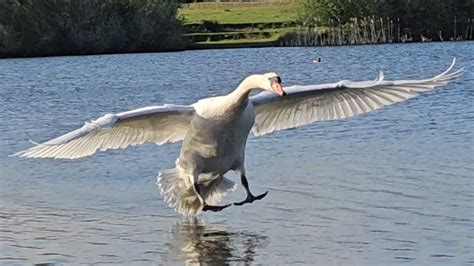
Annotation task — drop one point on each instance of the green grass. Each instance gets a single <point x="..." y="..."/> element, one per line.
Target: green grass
<point x="275" y="35"/>
<point x="250" y="31"/>
<point x="235" y="14"/>
<point x="239" y="41"/>
<point x="242" y="13"/>
<point x="269" y="35"/>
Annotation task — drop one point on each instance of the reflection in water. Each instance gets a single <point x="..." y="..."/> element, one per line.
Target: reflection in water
<point x="195" y="242"/>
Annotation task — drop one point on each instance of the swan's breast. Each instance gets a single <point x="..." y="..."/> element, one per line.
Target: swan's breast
<point x="211" y="107"/>
<point x="217" y="143"/>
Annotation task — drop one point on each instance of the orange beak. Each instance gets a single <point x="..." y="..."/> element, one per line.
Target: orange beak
<point x="276" y="86"/>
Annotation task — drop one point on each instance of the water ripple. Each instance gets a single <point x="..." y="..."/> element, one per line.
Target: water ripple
<point x="392" y="186"/>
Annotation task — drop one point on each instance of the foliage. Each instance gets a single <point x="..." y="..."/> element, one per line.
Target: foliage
<point x="320" y="11"/>
<point x="48" y="27"/>
<point x="426" y="17"/>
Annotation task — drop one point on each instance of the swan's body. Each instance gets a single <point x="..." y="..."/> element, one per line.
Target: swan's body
<point x="214" y="131"/>
<point x="218" y="132"/>
<point x="217" y="143"/>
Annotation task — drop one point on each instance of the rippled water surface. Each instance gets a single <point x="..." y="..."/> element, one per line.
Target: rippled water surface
<point x="394" y="186"/>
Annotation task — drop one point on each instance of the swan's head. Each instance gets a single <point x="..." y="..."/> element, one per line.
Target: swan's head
<point x="272" y="82"/>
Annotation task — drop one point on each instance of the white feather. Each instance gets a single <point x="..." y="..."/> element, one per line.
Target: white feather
<point x="306" y="104"/>
<point x="158" y="124"/>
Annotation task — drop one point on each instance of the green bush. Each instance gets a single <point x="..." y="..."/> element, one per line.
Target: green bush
<point x="50" y="27"/>
<point x="426" y="17"/>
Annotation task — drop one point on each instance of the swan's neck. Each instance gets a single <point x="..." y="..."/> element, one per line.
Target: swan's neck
<point x="241" y="94"/>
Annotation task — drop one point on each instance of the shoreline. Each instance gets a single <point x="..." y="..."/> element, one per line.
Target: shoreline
<point x="243" y="45"/>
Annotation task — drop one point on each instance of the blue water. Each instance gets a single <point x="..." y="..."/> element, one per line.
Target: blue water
<point x="393" y="186"/>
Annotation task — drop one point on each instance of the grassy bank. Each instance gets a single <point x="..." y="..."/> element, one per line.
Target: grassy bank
<point x="228" y="24"/>
<point x="238" y="24"/>
<point x="240" y="13"/>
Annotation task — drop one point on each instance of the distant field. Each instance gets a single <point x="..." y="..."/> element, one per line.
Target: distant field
<point x="240" y="13"/>
<point x="241" y="24"/>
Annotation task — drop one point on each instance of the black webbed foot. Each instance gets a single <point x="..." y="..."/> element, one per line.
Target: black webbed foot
<point x="251" y="198"/>
<point x="214" y="208"/>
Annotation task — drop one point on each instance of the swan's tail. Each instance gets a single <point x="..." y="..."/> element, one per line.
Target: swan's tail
<point x="178" y="193"/>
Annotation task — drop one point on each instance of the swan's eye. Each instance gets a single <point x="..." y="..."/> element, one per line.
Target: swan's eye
<point x="277" y="79"/>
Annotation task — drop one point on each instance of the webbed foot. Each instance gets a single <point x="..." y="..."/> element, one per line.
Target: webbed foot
<point x="214" y="208"/>
<point x="251" y="198"/>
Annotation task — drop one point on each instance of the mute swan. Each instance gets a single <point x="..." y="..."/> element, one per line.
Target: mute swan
<point x="214" y="130"/>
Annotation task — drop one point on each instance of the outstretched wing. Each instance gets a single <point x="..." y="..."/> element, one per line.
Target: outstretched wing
<point x="158" y="124"/>
<point x="306" y="104"/>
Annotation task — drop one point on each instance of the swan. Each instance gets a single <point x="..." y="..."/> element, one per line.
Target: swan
<point x="214" y="131"/>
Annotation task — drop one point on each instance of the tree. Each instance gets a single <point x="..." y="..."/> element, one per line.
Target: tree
<point x="426" y="17"/>
<point x="322" y="11"/>
<point x="46" y="27"/>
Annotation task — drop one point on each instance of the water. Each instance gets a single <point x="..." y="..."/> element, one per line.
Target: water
<point x="393" y="186"/>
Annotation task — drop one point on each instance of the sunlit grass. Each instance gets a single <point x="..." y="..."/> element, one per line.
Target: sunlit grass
<point x="236" y="14"/>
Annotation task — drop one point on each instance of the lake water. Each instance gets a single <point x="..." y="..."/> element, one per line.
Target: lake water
<point x="394" y="186"/>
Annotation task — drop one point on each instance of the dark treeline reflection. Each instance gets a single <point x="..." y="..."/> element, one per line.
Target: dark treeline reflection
<point x="195" y="242"/>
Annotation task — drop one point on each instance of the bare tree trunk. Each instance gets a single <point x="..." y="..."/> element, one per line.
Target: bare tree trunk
<point x="398" y="34"/>
<point x="390" y="30"/>
<point x="384" y="38"/>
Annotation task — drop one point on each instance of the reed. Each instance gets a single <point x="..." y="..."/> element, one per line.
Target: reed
<point x="363" y="30"/>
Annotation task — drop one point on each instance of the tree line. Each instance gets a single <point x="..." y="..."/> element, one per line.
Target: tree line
<point x="58" y="27"/>
<point x="432" y="19"/>
<point x="64" y="27"/>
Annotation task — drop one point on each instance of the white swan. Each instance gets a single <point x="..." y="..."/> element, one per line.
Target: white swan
<point x="215" y="130"/>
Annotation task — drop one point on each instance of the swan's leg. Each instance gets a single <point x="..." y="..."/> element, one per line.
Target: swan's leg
<point x="250" y="197"/>
<point x="205" y="206"/>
